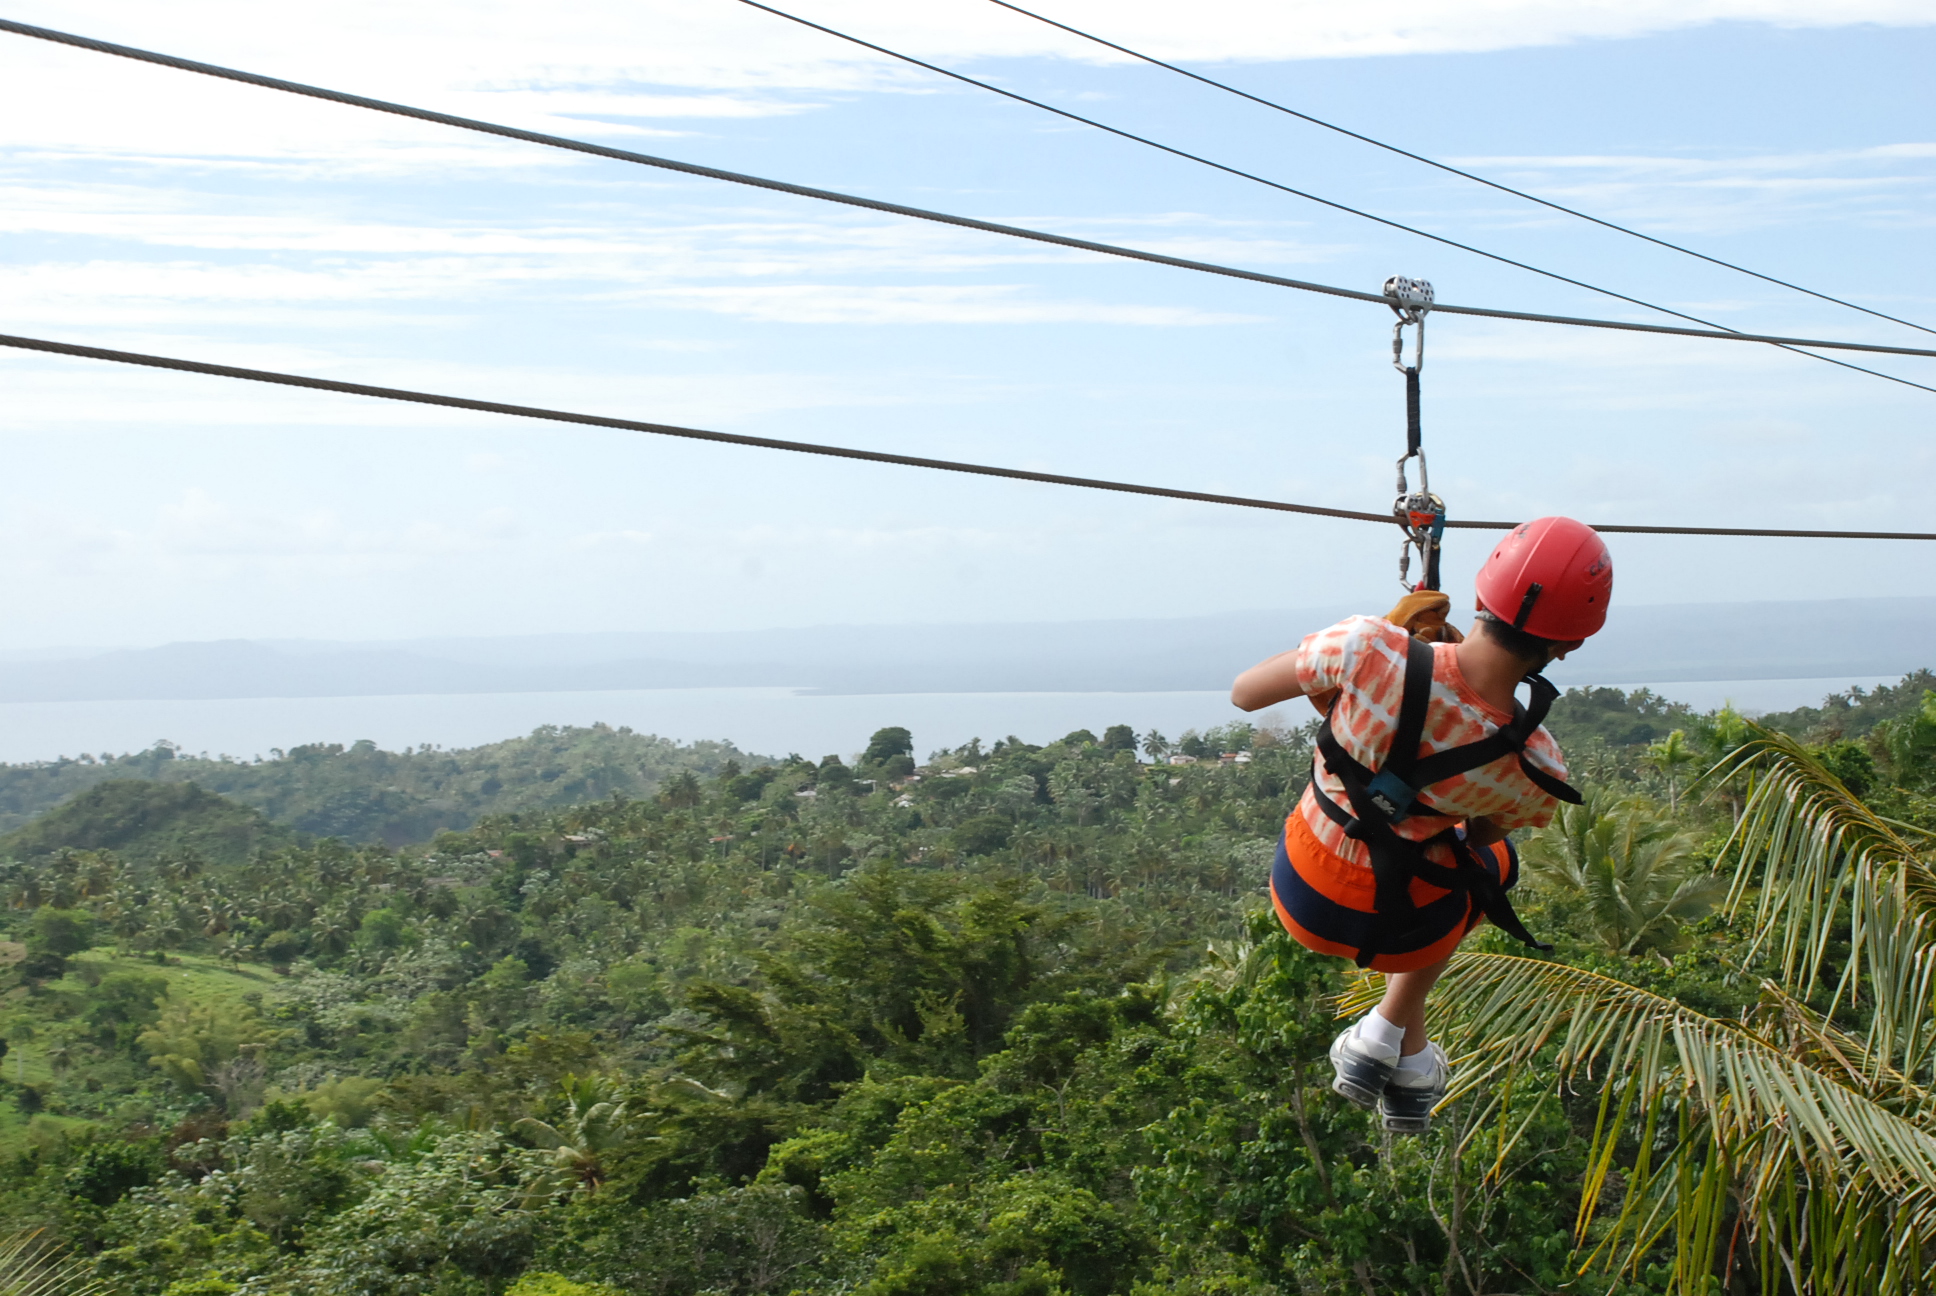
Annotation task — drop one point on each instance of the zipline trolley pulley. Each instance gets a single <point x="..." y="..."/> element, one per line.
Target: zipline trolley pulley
<point x="1420" y="513"/>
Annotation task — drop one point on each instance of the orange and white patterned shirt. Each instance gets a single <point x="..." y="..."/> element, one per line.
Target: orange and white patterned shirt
<point x="1364" y="658"/>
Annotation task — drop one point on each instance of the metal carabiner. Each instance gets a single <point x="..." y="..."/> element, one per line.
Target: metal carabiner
<point x="1410" y="300"/>
<point x="1398" y="346"/>
<point x="1404" y="487"/>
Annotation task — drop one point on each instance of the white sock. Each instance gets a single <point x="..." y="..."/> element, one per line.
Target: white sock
<point x="1373" y="1029"/>
<point x="1420" y="1064"/>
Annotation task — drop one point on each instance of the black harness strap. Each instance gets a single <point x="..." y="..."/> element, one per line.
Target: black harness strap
<point x="1394" y="784"/>
<point x="1379" y="799"/>
<point x="1383" y="799"/>
<point x="1510" y="740"/>
<point x="1469" y="875"/>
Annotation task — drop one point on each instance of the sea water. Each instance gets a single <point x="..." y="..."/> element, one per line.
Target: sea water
<point x="765" y="721"/>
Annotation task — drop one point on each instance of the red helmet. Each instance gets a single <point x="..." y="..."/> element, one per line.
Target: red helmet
<point x="1550" y="577"/>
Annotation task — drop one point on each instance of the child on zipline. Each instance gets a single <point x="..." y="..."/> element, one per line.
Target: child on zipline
<point x="1397" y="849"/>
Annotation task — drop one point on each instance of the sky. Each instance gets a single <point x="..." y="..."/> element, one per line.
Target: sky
<point x="147" y="209"/>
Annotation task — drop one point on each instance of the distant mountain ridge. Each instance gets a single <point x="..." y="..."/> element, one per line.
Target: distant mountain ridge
<point x="1821" y="638"/>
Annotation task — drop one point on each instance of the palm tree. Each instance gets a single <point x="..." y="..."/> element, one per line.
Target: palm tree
<point x="283" y="911"/>
<point x="172" y="932"/>
<point x="332" y="931"/>
<point x="592" y="1125"/>
<point x="1792" y="1150"/>
<point x="1637" y="872"/>
<point x="129" y="924"/>
<point x="1670" y="756"/>
<point x="180" y="868"/>
<point x="214" y="915"/>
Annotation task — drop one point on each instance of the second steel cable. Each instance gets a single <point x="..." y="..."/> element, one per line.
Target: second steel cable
<point x="847" y="452"/>
<point x="1447" y="167"/>
<point x="1305" y="194"/>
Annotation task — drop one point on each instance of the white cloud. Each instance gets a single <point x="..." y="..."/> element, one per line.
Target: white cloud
<point x="499" y="45"/>
<point x="925" y="304"/>
<point x="593" y="66"/>
<point x="197" y="529"/>
<point x="1700" y="167"/>
<point x="295" y="270"/>
<point x="570" y="107"/>
<point x="47" y="392"/>
<point x="1726" y="194"/>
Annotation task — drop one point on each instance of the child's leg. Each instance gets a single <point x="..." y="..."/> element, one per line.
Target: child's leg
<point x="1404" y="1003"/>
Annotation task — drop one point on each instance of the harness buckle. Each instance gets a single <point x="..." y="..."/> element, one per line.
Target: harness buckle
<point x="1392" y="795"/>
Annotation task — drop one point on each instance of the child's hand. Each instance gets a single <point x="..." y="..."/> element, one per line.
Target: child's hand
<point x="1481" y="831"/>
<point x="1422" y="614"/>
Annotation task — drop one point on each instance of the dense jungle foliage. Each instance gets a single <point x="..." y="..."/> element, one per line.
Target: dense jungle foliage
<point x="1015" y="1022"/>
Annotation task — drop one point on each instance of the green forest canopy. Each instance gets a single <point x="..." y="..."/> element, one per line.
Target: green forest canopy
<point x="1016" y="1022"/>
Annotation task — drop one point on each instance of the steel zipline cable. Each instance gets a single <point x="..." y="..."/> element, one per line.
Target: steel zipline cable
<point x="848" y="452"/>
<point x="1548" y="203"/>
<point x="1308" y="196"/>
<point x="920" y="213"/>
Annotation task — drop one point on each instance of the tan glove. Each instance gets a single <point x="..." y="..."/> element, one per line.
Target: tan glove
<point x="1422" y="614"/>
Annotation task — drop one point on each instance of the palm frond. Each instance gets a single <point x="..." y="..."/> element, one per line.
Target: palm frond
<point x="29" y="1268"/>
<point x="1747" y="1109"/>
<point x="1801" y="838"/>
<point x="1814" y="1141"/>
<point x="1821" y="867"/>
<point x="1637" y="872"/>
<point x="1506" y="1009"/>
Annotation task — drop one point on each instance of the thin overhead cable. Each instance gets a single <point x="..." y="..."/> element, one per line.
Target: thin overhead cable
<point x="1305" y="194"/>
<point x="1452" y="170"/>
<point x="846" y="452"/>
<point x="916" y="213"/>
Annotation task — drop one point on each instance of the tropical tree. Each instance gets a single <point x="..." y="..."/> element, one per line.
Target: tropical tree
<point x="191" y="1041"/>
<point x="1911" y="742"/>
<point x="333" y="930"/>
<point x="1636" y="871"/>
<point x="1791" y="1150"/>
<point x="1671" y="756"/>
<point x="593" y="1124"/>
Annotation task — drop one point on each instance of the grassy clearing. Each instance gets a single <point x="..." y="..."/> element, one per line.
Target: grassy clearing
<point x="200" y="977"/>
<point x="35" y="1030"/>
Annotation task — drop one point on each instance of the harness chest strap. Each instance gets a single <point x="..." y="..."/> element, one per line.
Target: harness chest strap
<point x="1392" y="793"/>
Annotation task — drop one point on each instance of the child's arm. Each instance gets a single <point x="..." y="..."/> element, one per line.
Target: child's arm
<point x="1269" y="682"/>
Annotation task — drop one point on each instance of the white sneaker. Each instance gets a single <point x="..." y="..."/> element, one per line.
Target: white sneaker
<point x="1362" y="1068"/>
<point x="1408" y="1100"/>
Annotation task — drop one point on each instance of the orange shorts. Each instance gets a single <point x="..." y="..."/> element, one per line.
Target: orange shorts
<point x="1326" y="902"/>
